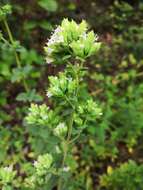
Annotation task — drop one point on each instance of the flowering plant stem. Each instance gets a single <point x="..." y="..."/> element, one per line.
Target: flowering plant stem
<point x="15" y="53"/>
<point x="74" y="108"/>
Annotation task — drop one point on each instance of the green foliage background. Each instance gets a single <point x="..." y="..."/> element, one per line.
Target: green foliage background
<point x="115" y="79"/>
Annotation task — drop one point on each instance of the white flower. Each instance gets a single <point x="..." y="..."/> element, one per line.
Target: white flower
<point x="49" y="60"/>
<point x="35" y="163"/>
<point x="84" y="35"/>
<point x="56" y="37"/>
<point x="69" y="79"/>
<point x="81" y="45"/>
<point x="58" y="30"/>
<point x="96" y="37"/>
<point x="57" y="149"/>
<point x="49" y="50"/>
<point x="49" y="94"/>
<point x="61" y="126"/>
<point x="66" y="169"/>
<point x="8" y="169"/>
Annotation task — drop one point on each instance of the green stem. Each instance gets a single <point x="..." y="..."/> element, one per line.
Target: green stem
<point x="25" y="85"/>
<point x="70" y="127"/>
<point x="12" y="42"/>
<point x="63" y="163"/>
<point x="67" y="142"/>
<point x="15" y="53"/>
<point x="8" y="31"/>
<point x="68" y="100"/>
<point x="4" y="40"/>
<point x="74" y="139"/>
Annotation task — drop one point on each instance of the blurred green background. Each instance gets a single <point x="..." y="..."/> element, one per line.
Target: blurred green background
<point x="115" y="79"/>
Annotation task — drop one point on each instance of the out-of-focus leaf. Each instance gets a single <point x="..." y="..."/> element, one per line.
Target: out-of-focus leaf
<point x="30" y="96"/>
<point x="48" y="5"/>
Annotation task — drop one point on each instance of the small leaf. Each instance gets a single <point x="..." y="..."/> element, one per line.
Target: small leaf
<point x="46" y="25"/>
<point x="48" y="5"/>
<point x="30" y="96"/>
<point x="19" y="73"/>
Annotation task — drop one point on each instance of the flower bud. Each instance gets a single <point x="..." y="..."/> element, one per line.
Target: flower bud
<point x="60" y="130"/>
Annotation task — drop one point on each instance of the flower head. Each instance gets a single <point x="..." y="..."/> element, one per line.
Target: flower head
<point x="60" y="130"/>
<point x="43" y="164"/>
<point x="7" y="174"/>
<point x="71" y="39"/>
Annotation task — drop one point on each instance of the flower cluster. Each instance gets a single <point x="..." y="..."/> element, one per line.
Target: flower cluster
<point x="90" y="108"/>
<point x="43" y="164"/>
<point x="71" y="39"/>
<point x="59" y="86"/>
<point x="87" y="111"/>
<point x="4" y="11"/>
<point x="60" y="130"/>
<point x="7" y="175"/>
<point x="42" y="168"/>
<point x="41" y="115"/>
<point x="55" y="39"/>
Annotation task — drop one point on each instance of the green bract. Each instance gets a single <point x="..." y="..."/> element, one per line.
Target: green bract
<point x="71" y="40"/>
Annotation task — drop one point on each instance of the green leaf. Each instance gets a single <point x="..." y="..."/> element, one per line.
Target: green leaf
<point x="48" y="5"/>
<point x="20" y="73"/>
<point x="29" y="25"/>
<point x="30" y="96"/>
<point x="46" y="25"/>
